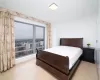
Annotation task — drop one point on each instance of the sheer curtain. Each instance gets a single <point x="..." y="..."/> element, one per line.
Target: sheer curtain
<point x="7" y="42"/>
<point x="48" y="26"/>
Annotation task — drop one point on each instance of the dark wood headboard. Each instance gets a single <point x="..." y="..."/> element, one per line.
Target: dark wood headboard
<point x="75" y="42"/>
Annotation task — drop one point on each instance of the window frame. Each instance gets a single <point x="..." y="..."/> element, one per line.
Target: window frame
<point x="34" y="34"/>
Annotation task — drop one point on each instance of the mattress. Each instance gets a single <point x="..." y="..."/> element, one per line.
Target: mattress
<point x="72" y="52"/>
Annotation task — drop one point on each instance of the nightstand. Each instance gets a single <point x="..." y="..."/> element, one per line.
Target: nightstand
<point x="88" y="54"/>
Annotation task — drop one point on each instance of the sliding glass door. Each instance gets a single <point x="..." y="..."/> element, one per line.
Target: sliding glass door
<point x="40" y="38"/>
<point x="28" y="38"/>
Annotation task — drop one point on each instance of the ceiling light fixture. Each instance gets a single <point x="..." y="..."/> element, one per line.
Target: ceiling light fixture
<point x="53" y="6"/>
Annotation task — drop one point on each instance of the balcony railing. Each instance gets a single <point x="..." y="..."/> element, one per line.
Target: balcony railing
<point x="24" y="47"/>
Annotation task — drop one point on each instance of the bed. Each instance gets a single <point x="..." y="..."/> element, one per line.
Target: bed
<point x="58" y="60"/>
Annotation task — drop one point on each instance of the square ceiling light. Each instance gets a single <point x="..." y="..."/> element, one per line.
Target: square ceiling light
<point x="53" y="6"/>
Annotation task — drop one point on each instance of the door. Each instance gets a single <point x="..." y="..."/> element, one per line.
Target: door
<point x="40" y="37"/>
<point x="24" y="36"/>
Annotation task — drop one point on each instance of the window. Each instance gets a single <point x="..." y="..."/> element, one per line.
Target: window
<point x="40" y="38"/>
<point x="28" y="38"/>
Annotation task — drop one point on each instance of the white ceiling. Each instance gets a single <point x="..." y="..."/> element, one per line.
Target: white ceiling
<point x="67" y="9"/>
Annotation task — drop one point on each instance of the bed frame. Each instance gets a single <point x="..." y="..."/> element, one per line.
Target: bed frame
<point x="58" y="65"/>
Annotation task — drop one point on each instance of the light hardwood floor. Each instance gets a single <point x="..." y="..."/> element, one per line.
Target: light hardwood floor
<point x="29" y="71"/>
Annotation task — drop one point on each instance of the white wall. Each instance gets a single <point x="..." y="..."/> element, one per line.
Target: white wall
<point x="98" y="27"/>
<point x="82" y="28"/>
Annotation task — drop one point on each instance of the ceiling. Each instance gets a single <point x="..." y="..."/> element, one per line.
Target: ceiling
<point x="67" y="9"/>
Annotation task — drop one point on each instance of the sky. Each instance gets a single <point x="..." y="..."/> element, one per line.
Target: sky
<point x="25" y="31"/>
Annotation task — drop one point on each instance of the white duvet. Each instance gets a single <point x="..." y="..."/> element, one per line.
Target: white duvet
<point x="72" y="52"/>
